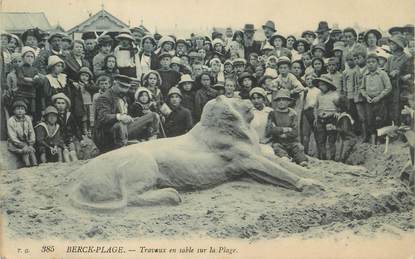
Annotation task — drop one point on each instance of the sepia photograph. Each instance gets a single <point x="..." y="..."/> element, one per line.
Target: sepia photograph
<point x="207" y="129"/>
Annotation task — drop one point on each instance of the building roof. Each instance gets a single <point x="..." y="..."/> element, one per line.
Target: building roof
<point x="101" y="21"/>
<point x="18" y="22"/>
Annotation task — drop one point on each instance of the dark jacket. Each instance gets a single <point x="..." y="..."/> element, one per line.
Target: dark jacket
<point x="277" y="120"/>
<point x="45" y="139"/>
<point x="70" y="128"/>
<point x="138" y="110"/>
<point x="254" y="48"/>
<point x="202" y="97"/>
<point x="25" y="88"/>
<point x="169" y="78"/>
<point x="72" y="66"/>
<point x="178" y="122"/>
<point x="188" y="100"/>
<point x="106" y="110"/>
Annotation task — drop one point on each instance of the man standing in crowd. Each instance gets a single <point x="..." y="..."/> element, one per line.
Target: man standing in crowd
<point x="269" y="30"/>
<point x="323" y="37"/>
<point x="41" y="61"/>
<point x="251" y="45"/>
<point x="113" y="127"/>
<point x="137" y="33"/>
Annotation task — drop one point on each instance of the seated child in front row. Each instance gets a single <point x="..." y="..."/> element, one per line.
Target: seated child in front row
<point x="49" y="137"/>
<point x="282" y="127"/>
<point x="21" y="134"/>
<point x="70" y="129"/>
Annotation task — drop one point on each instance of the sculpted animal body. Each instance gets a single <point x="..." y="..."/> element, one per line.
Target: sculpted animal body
<point x="220" y="148"/>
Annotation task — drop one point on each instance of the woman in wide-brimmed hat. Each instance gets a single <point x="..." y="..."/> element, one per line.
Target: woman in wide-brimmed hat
<point x="279" y="42"/>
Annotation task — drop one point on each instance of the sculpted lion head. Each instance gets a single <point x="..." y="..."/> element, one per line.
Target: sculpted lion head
<point x="230" y="116"/>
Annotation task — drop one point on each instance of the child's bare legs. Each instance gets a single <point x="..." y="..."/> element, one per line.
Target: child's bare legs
<point x="33" y="158"/>
<point x="69" y="153"/>
<point x="26" y="161"/>
<point x="362" y="115"/>
<point x="43" y="158"/>
<point x="60" y="157"/>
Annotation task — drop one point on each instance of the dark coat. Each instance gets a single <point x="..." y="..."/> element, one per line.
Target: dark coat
<point x="106" y="110"/>
<point x="69" y="127"/>
<point x="255" y="48"/>
<point x="178" y="122"/>
<point x="72" y="67"/>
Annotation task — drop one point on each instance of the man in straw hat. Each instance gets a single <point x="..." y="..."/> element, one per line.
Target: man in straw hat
<point x="282" y="127"/>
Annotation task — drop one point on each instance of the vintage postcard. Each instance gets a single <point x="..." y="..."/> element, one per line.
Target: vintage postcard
<point x="207" y="129"/>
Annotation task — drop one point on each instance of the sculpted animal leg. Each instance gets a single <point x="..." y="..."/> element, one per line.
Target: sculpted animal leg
<point x="166" y="196"/>
<point x="266" y="170"/>
<point x="105" y="194"/>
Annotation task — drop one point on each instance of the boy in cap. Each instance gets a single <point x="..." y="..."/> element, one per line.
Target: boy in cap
<point x="395" y="67"/>
<point x="104" y="49"/>
<point x="246" y="83"/>
<point x="375" y="87"/>
<point x="333" y="72"/>
<point x="286" y="80"/>
<point x="11" y="81"/>
<point x="103" y="82"/>
<point x="239" y="65"/>
<point x="351" y="91"/>
<point x="49" y="140"/>
<point x="71" y="130"/>
<point x="27" y="81"/>
<point x="282" y="127"/>
<point x="179" y="120"/>
<point x="325" y="114"/>
<point x="21" y="134"/>
<point x="310" y="100"/>
<point x="187" y="90"/>
<point x="81" y="99"/>
<point x="169" y="77"/>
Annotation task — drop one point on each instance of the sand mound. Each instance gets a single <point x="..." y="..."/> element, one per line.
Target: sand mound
<point x="366" y="198"/>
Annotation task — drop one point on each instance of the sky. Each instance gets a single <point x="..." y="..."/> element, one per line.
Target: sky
<point x="289" y="15"/>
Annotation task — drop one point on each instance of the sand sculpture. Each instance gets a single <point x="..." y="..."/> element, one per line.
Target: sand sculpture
<point x="220" y="148"/>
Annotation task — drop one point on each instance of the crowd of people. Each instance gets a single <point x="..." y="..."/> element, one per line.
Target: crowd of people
<point x="334" y="84"/>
